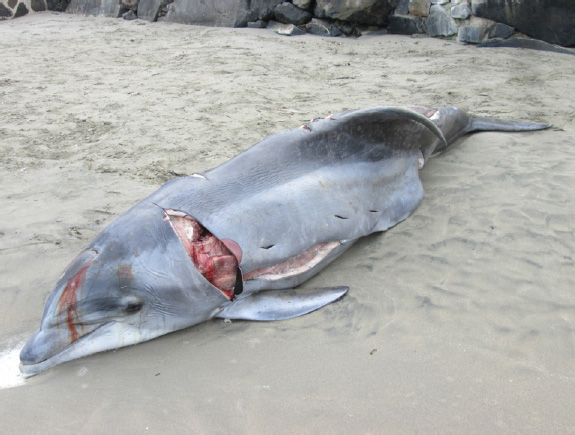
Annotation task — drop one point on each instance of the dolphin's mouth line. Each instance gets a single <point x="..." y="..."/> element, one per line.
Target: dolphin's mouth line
<point x="37" y="367"/>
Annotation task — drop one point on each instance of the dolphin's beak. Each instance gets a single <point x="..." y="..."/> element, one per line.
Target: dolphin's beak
<point x="49" y="347"/>
<point x="36" y="351"/>
<point x="60" y="328"/>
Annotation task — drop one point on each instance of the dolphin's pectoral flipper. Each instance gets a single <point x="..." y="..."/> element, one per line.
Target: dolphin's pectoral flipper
<point x="281" y="304"/>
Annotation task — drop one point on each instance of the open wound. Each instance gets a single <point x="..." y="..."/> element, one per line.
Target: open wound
<point x="217" y="260"/>
<point x="295" y="265"/>
<point x="68" y="301"/>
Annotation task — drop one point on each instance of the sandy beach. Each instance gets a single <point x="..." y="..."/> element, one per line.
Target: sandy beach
<point x="460" y="319"/>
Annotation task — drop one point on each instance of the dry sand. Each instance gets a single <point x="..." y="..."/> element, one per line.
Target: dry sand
<point x="460" y="319"/>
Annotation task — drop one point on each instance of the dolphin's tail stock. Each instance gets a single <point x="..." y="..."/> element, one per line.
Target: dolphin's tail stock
<point x="455" y="123"/>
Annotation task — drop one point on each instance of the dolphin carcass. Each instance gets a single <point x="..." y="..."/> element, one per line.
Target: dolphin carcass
<point x="235" y="241"/>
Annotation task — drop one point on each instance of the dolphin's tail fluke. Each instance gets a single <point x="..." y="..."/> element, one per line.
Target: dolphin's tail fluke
<point x="494" y="124"/>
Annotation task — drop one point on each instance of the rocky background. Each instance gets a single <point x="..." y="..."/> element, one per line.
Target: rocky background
<point x="470" y="21"/>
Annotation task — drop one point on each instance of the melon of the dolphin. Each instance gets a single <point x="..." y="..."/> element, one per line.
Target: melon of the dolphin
<point x="235" y="241"/>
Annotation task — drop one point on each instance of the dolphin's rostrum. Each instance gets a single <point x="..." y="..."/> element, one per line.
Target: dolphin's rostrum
<point x="235" y="241"/>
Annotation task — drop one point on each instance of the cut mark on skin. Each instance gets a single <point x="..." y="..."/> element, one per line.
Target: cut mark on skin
<point x="69" y="300"/>
<point x="374" y="211"/>
<point x="295" y="265"/>
<point x="340" y="217"/>
<point x="215" y="259"/>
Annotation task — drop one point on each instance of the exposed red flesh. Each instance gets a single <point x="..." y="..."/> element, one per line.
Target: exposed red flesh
<point x="210" y="256"/>
<point x="425" y="111"/>
<point x="69" y="299"/>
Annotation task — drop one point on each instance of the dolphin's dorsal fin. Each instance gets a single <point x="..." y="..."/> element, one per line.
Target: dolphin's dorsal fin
<point x="280" y="304"/>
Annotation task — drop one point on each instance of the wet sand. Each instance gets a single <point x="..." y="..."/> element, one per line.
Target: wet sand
<point x="460" y="319"/>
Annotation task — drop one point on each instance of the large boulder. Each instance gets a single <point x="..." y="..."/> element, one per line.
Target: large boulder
<point x="107" y="8"/>
<point x="150" y="9"/>
<point x="474" y="30"/>
<point x="21" y="10"/>
<point x="5" y="12"/>
<point x="439" y="23"/>
<point x="322" y="28"/>
<point x="419" y="8"/>
<point x="407" y="24"/>
<point x="263" y="9"/>
<point x="223" y="13"/>
<point x="288" y="13"/>
<point x="38" y="5"/>
<point x="461" y="11"/>
<point x="220" y="13"/>
<point x="550" y="20"/>
<point x="374" y="12"/>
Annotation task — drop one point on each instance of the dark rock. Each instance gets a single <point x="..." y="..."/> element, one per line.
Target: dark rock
<point x="21" y="10"/>
<point x="38" y="5"/>
<point x="285" y="29"/>
<point x="12" y="3"/>
<point x="5" y="12"/>
<point x="461" y="11"/>
<point x="130" y="15"/>
<point x="357" y="11"/>
<point x="108" y="8"/>
<point x="62" y="6"/>
<point x="407" y="24"/>
<point x="53" y="4"/>
<point x="287" y="13"/>
<point x="552" y="21"/>
<point x="322" y="28"/>
<point x="439" y="23"/>
<point x="419" y="8"/>
<point x="150" y="9"/>
<point x="57" y="5"/>
<point x="262" y="9"/>
<point x="131" y="5"/>
<point x="223" y="13"/>
<point x="402" y="7"/>
<point x="474" y="30"/>
<point x="471" y="34"/>
<point x="348" y="29"/>
<point x="500" y="30"/>
<point x="259" y="24"/>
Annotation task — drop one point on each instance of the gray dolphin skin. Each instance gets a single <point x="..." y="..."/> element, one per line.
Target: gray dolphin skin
<point x="235" y="241"/>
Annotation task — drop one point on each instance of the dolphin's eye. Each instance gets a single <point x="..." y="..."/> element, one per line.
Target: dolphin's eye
<point x="133" y="307"/>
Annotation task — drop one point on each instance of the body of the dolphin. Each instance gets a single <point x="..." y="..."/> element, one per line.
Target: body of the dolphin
<point x="233" y="242"/>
